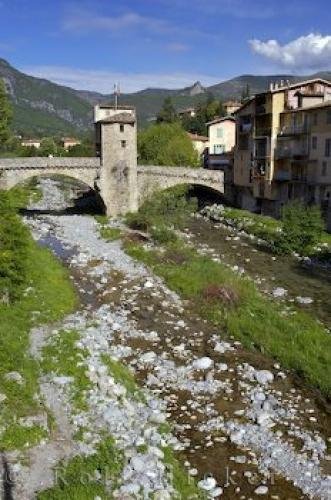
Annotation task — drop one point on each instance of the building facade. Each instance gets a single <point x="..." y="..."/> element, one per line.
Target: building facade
<point x="276" y="157"/>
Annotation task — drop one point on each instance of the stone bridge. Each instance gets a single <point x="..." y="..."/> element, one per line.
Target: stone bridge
<point x="114" y="174"/>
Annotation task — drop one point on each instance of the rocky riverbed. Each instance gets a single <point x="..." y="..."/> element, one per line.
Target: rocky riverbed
<point x="241" y="426"/>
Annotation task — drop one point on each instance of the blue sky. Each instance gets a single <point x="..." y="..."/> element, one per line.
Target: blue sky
<point x="163" y="43"/>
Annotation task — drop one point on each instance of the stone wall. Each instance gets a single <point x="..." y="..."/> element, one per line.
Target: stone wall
<point x="16" y="170"/>
<point x="154" y="178"/>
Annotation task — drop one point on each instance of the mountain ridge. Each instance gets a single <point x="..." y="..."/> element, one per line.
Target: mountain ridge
<point x="42" y="107"/>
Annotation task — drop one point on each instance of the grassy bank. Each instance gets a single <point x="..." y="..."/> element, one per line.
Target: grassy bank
<point x="261" y="226"/>
<point x="232" y="302"/>
<point x="297" y="341"/>
<point x="49" y="297"/>
<point x="35" y="291"/>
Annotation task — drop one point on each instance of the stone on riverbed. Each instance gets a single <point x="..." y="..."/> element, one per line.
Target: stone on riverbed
<point x="263" y="376"/>
<point x="203" y="363"/>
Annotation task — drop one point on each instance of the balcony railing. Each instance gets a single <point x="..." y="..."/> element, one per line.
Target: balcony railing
<point x="294" y="129"/>
<point x="282" y="175"/>
<point x="288" y="152"/>
<point x="262" y="131"/>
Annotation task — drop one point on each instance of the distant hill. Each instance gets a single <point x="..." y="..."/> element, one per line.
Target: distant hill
<point x="42" y="107"/>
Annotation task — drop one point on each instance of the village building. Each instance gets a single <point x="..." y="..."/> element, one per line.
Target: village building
<point x="31" y="143"/>
<point x="70" y="142"/>
<point x="187" y="113"/>
<point x="230" y="107"/>
<point x="199" y="142"/>
<point x="283" y="137"/>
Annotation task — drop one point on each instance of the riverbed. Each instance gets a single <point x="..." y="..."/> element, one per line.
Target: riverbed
<point x="241" y="425"/>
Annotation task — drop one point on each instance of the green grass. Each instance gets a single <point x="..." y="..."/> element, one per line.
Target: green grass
<point x="298" y="342"/>
<point x="123" y="376"/>
<point x="262" y="226"/>
<point x="77" y="480"/>
<point x="110" y="233"/>
<point x="184" y="484"/>
<point x="61" y="356"/>
<point x="106" y="232"/>
<point x="52" y="297"/>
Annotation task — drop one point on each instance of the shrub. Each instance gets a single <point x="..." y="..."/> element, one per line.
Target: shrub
<point x="14" y="241"/>
<point x="171" y="207"/>
<point x="302" y="228"/>
<point x="166" y="144"/>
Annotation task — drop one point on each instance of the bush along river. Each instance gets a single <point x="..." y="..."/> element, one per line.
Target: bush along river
<point x="298" y="284"/>
<point x="149" y="399"/>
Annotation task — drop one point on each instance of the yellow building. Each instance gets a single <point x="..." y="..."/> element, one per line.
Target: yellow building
<point x="199" y="142"/>
<point x="269" y="127"/>
<point x="70" y="142"/>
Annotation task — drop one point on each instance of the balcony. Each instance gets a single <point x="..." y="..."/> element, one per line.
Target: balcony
<point x="282" y="175"/>
<point x="293" y="129"/>
<point x="262" y="131"/>
<point x="298" y="152"/>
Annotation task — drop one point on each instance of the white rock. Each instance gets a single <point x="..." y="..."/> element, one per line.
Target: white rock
<point x="304" y="300"/>
<point x="261" y="490"/>
<point x="207" y="484"/>
<point x="62" y="380"/>
<point x="203" y="363"/>
<point x="137" y="463"/>
<point x="148" y="357"/>
<point x="279" y="292"/>
<point x="149" y="284"/>
<point x="216" y="492"/>
<point x="263" y="376"/>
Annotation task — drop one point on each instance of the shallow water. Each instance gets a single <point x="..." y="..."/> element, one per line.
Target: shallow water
<point x="272" y="271"/>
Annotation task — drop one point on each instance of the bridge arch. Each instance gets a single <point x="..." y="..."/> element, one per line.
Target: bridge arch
<point x="152" y="179"/>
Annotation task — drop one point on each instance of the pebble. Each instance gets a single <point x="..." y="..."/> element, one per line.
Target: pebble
<point x="261" y="490"/>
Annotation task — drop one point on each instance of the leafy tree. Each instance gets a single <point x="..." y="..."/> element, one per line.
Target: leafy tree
<point x="166" y="144"/>
<point x="167" y="113"/>
<point x="86" y="148"/>
<point x="48" y="147"/>
<point x="5" y="115"/>
<point x="302" y="228"/>
<point x="206" y="111"/>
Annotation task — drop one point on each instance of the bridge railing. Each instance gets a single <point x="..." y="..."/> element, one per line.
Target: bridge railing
<point x="48" y="163"/>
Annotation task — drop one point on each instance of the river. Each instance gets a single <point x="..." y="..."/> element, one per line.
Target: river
<point x="239" y="423"/>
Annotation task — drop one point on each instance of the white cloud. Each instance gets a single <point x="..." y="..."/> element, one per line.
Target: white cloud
<point x="82" y="21"/>
<point x="103" y="81"/>
<point x="312" y="51"/>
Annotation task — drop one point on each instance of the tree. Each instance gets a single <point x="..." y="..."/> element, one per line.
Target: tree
<point x="302" y="228"/>
<point x="166" y="144"/>
<point x="5" y="115"/>
<point x="47" y="147"/>
<point x="167" y="113"/>
<point x="205" y="112"/>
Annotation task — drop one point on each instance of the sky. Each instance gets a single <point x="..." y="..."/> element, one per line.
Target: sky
<point x="91" y="45"/>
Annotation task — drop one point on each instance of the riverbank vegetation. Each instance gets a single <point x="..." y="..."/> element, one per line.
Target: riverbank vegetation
<point x="35" y="289"/>
<point x="300" y="229"/>
<point x="294" y="338"/>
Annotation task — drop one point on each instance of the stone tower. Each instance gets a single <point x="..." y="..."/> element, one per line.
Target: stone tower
<point x="116" y="143"/>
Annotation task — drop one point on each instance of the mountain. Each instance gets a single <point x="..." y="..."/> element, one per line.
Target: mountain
<point x="42" y="107"/>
